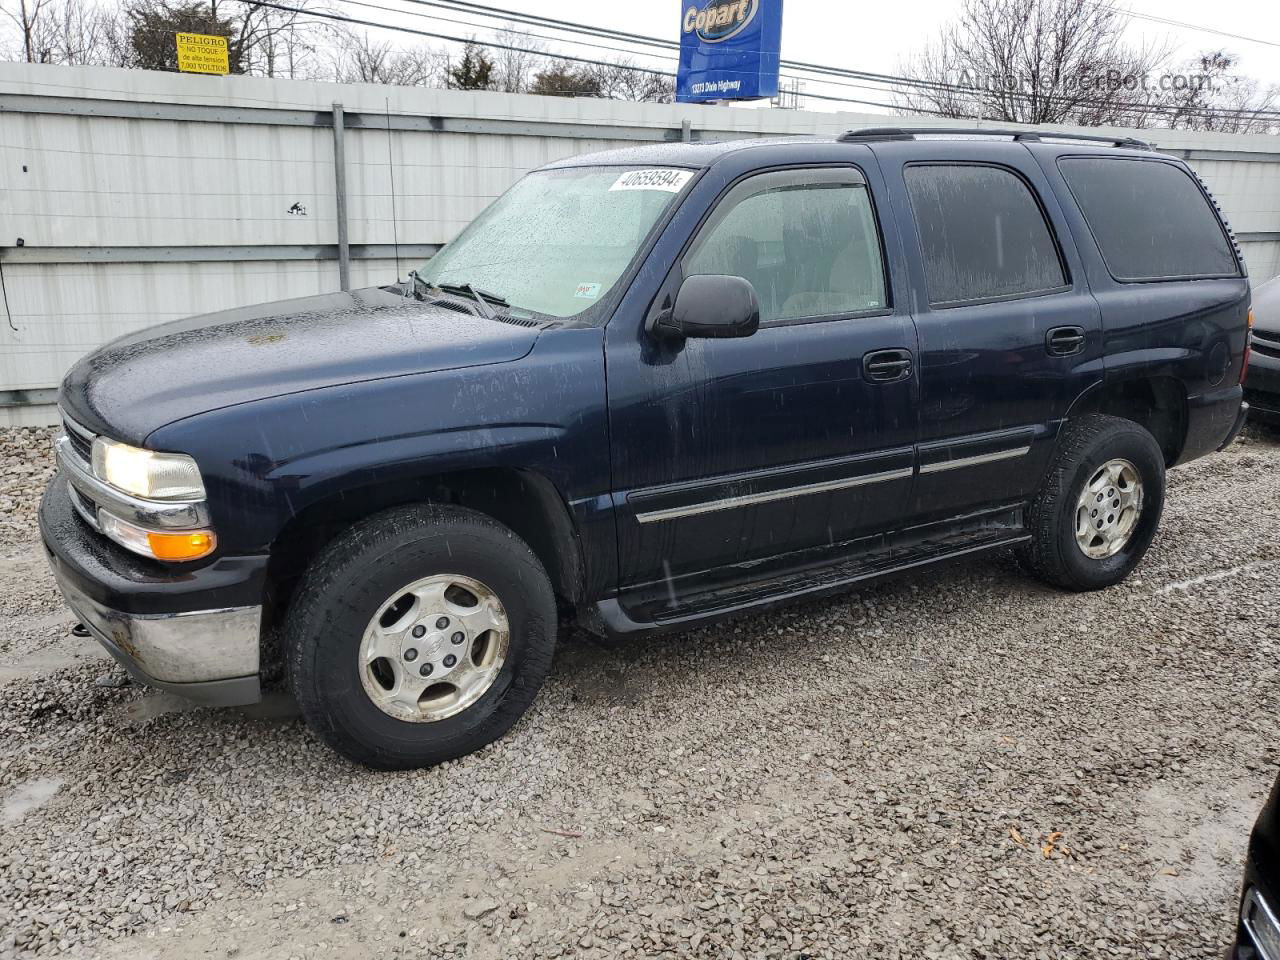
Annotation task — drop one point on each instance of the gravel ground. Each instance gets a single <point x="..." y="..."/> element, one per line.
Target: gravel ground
<point x="965" y="764"/>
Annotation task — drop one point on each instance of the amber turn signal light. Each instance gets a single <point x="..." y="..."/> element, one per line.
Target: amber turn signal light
<point x="191" y="545"/>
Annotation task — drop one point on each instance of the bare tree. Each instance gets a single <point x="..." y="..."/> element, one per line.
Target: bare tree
<point x="1209" y="95"/>
<point x="563" y="78"/>
<point x="285" y="44"/>
<point x="265" y="36"/>
<point x="1036" y="61"/>
<point x="515" y="69"/>
<point x="623" y="80"/>
<point x="81" y="32"/>
<point x="29" y="17"/>
<point x="360" y="59"/>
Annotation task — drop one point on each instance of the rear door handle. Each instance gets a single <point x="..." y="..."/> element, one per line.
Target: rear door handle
<point x="886" y="366"/>
<point x="1064" y="341"/>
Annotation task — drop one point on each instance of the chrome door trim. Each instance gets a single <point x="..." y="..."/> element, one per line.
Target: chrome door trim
<point x="768" y="496"/>
<point x="980" y="458"/>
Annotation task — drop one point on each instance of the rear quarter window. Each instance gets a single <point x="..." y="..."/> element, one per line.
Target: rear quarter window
<point x="1150" y="219"/>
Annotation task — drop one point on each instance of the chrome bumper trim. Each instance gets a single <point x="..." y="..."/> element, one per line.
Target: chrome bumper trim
<point x="1254" y="899"/>
<point x="151" y="514"/>
<point x="174" y="648"/>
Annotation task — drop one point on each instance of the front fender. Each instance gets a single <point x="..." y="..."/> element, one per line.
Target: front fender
<point x="267" y="461"/>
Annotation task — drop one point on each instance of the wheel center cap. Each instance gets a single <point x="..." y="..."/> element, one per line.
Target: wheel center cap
<point x="429" y="647"/>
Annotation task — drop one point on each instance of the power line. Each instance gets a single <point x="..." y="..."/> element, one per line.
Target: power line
<point x="1145" y="109"/>
<point x="523" y="33"/>
<point x="499" y="12"/>
<point x="340" y="18"/>
<point x="1130" y="12"/>
<point x="359" y="21"/>
<point x="886" y="79"/>
<point x="890" y="80"/>
<point x="596" y="46"/>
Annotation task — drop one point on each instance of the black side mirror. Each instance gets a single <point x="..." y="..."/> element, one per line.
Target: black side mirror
<point x="709" y="305"/>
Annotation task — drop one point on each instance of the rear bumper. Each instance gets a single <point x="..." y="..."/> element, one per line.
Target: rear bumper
<point x="1213" y="420"/>
<point x="194" y="633"/>
<point x="1241" y="417"/>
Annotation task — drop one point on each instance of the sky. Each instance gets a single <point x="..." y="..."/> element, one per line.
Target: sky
<point x="880" y="36"/>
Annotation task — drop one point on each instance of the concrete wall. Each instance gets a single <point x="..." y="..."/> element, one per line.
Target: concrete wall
<point x="141" y="197"/>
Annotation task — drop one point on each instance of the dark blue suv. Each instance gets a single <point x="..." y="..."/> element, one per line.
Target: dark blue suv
<point x="645" y="389"/>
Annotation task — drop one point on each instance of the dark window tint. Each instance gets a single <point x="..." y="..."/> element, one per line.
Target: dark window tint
<point x="982" y="234"/>
<point x="1150" y="219"/>
<point x="806" y="240"/>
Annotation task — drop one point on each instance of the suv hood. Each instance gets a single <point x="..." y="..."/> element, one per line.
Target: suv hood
<point x="144" y="380"/>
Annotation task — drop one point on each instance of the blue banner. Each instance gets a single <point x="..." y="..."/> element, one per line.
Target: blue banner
<point x="729" y="50"/>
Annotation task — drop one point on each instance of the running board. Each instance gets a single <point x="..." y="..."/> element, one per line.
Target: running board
<point x="646" y="610"/>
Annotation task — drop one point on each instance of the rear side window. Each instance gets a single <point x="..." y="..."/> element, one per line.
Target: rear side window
<point x="1151" y="220"/>
<point x="982" y="234"/>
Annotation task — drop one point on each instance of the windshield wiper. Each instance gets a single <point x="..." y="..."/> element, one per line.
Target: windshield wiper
<point x="483" y="298"/>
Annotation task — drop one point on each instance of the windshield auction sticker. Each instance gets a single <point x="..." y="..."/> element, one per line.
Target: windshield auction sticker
<point x="663" y="178"/>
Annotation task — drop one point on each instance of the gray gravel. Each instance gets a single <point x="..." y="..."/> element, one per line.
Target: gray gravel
<point x="965" y="764"/>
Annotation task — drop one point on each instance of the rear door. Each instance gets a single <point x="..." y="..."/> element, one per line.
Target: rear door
<point x="1009" y="332"/>
<point x="731" y="451"/>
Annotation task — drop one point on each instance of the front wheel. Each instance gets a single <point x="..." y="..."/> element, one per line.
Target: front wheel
<point x="1097" y="511"/>
<point x="420" y="635"/>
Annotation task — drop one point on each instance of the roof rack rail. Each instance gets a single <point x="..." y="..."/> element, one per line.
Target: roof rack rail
<point x="1032" y="136"/>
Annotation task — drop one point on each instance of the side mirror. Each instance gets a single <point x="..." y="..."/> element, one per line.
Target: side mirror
<point x="708" y="306"/>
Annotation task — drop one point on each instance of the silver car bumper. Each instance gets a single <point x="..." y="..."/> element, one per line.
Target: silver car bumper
<point x="205" y="655"/>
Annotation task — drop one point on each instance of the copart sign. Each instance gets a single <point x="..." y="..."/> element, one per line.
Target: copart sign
<point x="729" y="49"/>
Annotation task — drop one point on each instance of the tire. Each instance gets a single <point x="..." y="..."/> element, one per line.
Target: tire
<point x="329" y="632"/>
<point x="1054" y="554"/>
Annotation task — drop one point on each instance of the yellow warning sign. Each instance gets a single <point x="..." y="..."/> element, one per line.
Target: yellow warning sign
<point x="200" y="53"/>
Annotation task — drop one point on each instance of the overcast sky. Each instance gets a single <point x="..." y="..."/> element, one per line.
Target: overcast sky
<point x="878" y="36"/>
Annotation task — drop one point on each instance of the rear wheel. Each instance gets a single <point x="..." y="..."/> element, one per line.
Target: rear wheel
<point x="1097" y="511"/>
<point x="420" y="635"/>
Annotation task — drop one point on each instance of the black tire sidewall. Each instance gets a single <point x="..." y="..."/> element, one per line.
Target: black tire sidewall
<point x="327" y="639"/>
<point x="1134" y="444"/>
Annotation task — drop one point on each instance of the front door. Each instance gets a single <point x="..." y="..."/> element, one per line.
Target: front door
<point x="731" y="451"/>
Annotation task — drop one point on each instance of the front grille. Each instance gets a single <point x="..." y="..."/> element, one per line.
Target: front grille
<point x="80" y="438"/>
<point x="86" y="508"/>
<point x="1268" y="348"/>
<point x="80" y="444"/>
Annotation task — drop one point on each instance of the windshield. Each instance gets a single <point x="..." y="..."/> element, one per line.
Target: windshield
<point x="557" y="241"/>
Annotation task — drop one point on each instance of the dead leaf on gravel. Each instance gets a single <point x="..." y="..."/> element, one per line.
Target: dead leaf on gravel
<point x="1018" y="838"/>
<point x="1051" y="843"/>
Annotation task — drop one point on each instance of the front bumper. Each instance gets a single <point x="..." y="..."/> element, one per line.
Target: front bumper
<point x="1262" y="385"/>
<point x="190" y="632"/>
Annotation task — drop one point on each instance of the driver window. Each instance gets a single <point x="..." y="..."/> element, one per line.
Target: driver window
<point x="806" y="240"/>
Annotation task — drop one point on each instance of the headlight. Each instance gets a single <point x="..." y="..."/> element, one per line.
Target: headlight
<point x="146" y="474"/>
